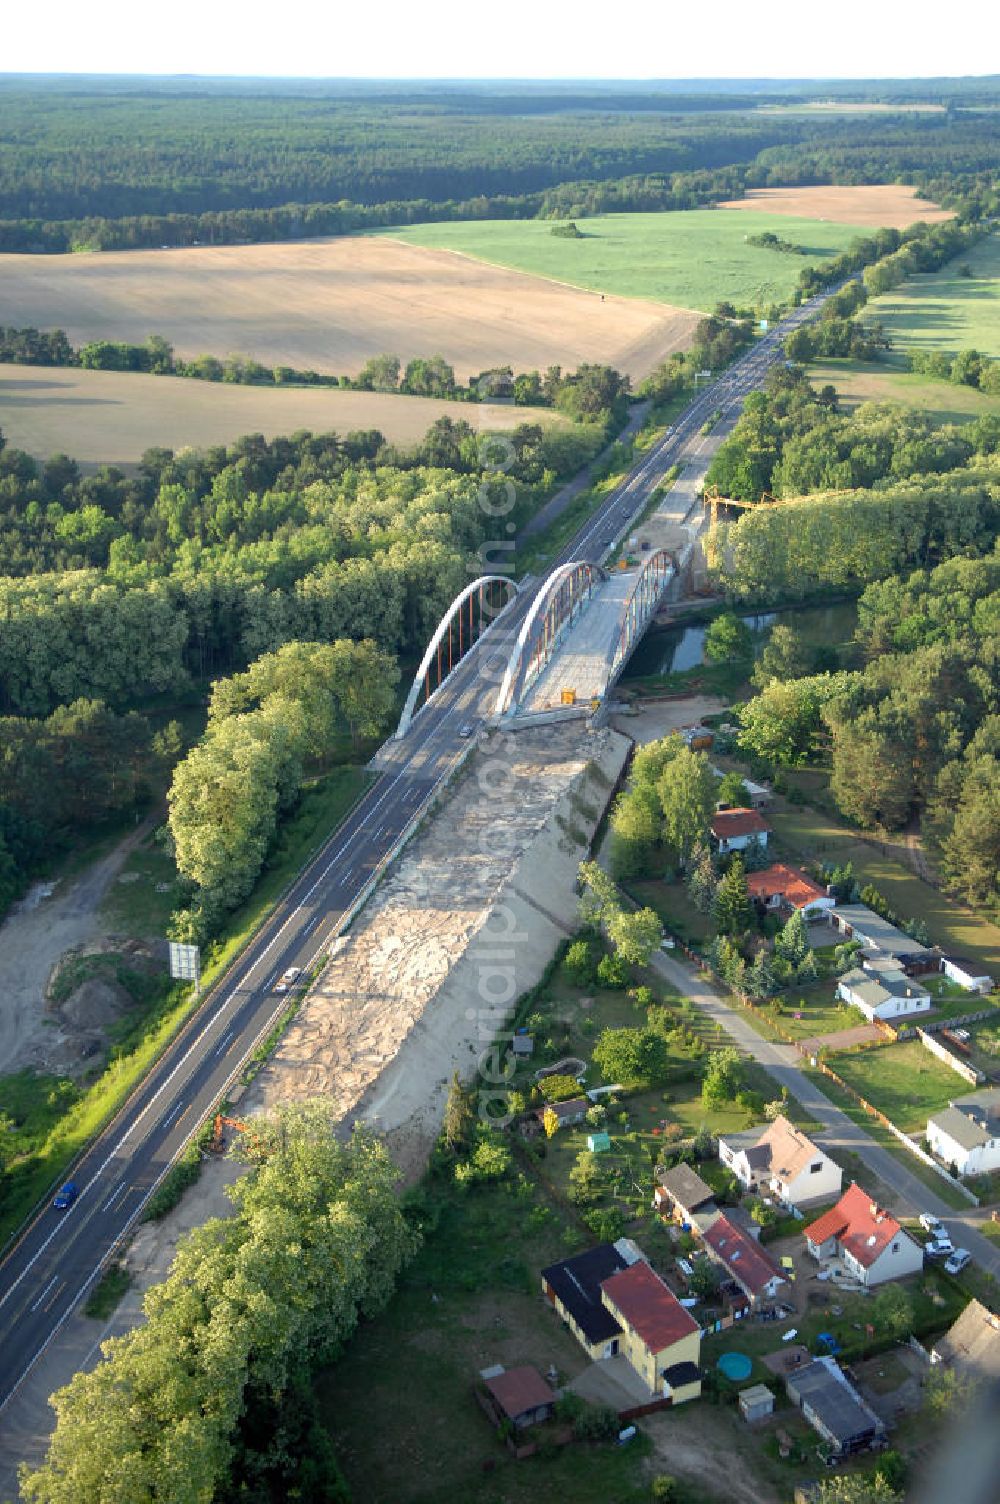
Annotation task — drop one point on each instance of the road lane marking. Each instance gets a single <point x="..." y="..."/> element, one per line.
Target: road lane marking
<point x="434" y="735"/>
<point x="55" y="1280"/>
<point x="220" y="1048"/>
<point x="115" y="1195"/>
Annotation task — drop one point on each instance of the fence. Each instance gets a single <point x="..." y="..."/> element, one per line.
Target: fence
<point x="960" y="1067"/>
<point x="914" y="1149"/>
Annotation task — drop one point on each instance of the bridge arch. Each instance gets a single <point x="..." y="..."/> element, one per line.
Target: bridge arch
<point x="472" y="613"/>
<point x="652" y="580"/>
<point x="559" y="600"/>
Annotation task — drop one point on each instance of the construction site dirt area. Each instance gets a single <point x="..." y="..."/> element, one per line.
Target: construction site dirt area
<point x="890" y="204"/>
<point x="466" y="922"/>
<point x="329" y="305"/>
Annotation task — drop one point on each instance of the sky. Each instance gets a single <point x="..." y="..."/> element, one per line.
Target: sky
<point x="502" y="39"/>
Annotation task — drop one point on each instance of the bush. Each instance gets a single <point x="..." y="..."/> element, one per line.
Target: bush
<point x="663" y="1489"/>
<point x="597" y="1423"/>
<point x="560" y="1088"/>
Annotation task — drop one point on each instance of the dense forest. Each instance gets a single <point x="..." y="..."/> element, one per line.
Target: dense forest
<point x="150" y="163"/>
<point x="118" y="587"/>
<point x="913" y="732"/>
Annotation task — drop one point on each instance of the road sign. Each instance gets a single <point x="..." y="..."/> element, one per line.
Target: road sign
<point x="185" y="963"/>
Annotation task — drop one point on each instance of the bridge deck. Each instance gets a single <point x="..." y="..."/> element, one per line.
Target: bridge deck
<point x="581" y="659"/>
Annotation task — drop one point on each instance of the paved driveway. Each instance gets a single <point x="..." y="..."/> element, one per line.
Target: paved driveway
<point x="781" y="1061"/>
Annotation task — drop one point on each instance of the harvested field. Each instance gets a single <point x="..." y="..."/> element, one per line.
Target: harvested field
<point x="328" y="305"/>
<point x="109" y="417"/>
<point x="889" y="204"/>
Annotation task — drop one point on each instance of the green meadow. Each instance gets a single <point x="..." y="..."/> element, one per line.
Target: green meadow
<point x="947" y="310"/>
<point x="690" y="260"/>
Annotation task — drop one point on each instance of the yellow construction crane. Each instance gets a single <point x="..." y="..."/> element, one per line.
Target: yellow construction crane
<point x="714" y="501"/>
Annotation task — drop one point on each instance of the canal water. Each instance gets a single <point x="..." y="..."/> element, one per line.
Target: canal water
<point x="670" y="650"/>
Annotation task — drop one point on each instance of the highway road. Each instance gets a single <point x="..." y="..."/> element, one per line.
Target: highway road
<point x="60" y="1255"/>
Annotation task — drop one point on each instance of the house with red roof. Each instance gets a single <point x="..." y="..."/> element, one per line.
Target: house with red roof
<point x="866" y="1238"/>
<point x="745" y="1262"/>
<point x="620" y="1309"/>
<point x="736" y="829"/>
<point x="518" y="1395"/>
<point x="783" y="889"/>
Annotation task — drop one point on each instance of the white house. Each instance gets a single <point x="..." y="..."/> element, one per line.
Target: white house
<point x="781" y="1160"/>
<point x="965" y="1135"/>
<point x="870" y="1243"/>
<point x="967" y="974"/>
<point x="735" y="829"/>
<point x="884" y="992"/>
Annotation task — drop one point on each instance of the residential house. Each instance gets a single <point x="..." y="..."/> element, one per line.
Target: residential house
<point x="972" y="1345"/>
<point x="617" y="1306"/>
<point x="747" y="1264"/>
<point x="519" y="1396"/>
<point x="965" y="1135"/>
<point x="967" y="974"/>
<point x="883" y="991"/>
<point x="871" y="1244"/>
<point x="781" y="1160"/>
<point x="660" y="1339"/>
<point x="833" y="1407"/>
<point x="856" y="921"/>
<point x="736" y="829"/>
<point x="568" y="1113"/>
<point x="683" y="1196"/>
<point x="783" y="890"/>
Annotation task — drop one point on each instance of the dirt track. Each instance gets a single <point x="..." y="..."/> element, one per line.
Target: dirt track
<point x="889" y="204"/>
<point x="328" y="305"/>
<point x="32" y="939"/>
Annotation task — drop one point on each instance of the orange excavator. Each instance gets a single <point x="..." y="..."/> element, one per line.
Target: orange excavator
<point x="217" y="1144"/>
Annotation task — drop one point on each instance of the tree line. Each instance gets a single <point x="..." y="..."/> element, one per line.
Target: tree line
<point x="592" y="393"/>
<point x="68" y="772"/>
<point x="118" y="170"/>
<point x="791" y="441"/>
<point x="916" y="729"/>
<point x="211" y="1397"/>
<point x="267" y="728"/>
<point x="200" y="562"/>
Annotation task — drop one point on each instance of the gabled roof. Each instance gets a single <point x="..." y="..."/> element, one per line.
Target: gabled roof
<point x="686" y="1187"/>
<point x="794" y="887"/>
<point x="972" y="1345"/>
<point x="858" y="1223"/>
<point x="727" y="823"/>
<point x="563" y="1110"/>
<point x="973" y="969"/>
<point x="648" y="1307"/>
<point x="518" y="1390"/>
<point x="966" y="1132"/>
<point x="789" y="1150"/>
<point x="577" y="1284"/>
<point x="878" y="930"/>
<point x="744" y="1259"/>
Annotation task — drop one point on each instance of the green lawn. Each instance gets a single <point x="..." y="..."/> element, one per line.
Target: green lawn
<point x="399" y="1403"/>
<point x="857" y="381"/>
<point x="855" y="1168"/>
<point x="944" y="310"/>
<point x="808" y="833"/>
<point x="691" y="259"/>
<point x="904" y="1081"/>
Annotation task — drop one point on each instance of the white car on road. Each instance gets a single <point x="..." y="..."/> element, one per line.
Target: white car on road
<point x="291" y="975"/>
